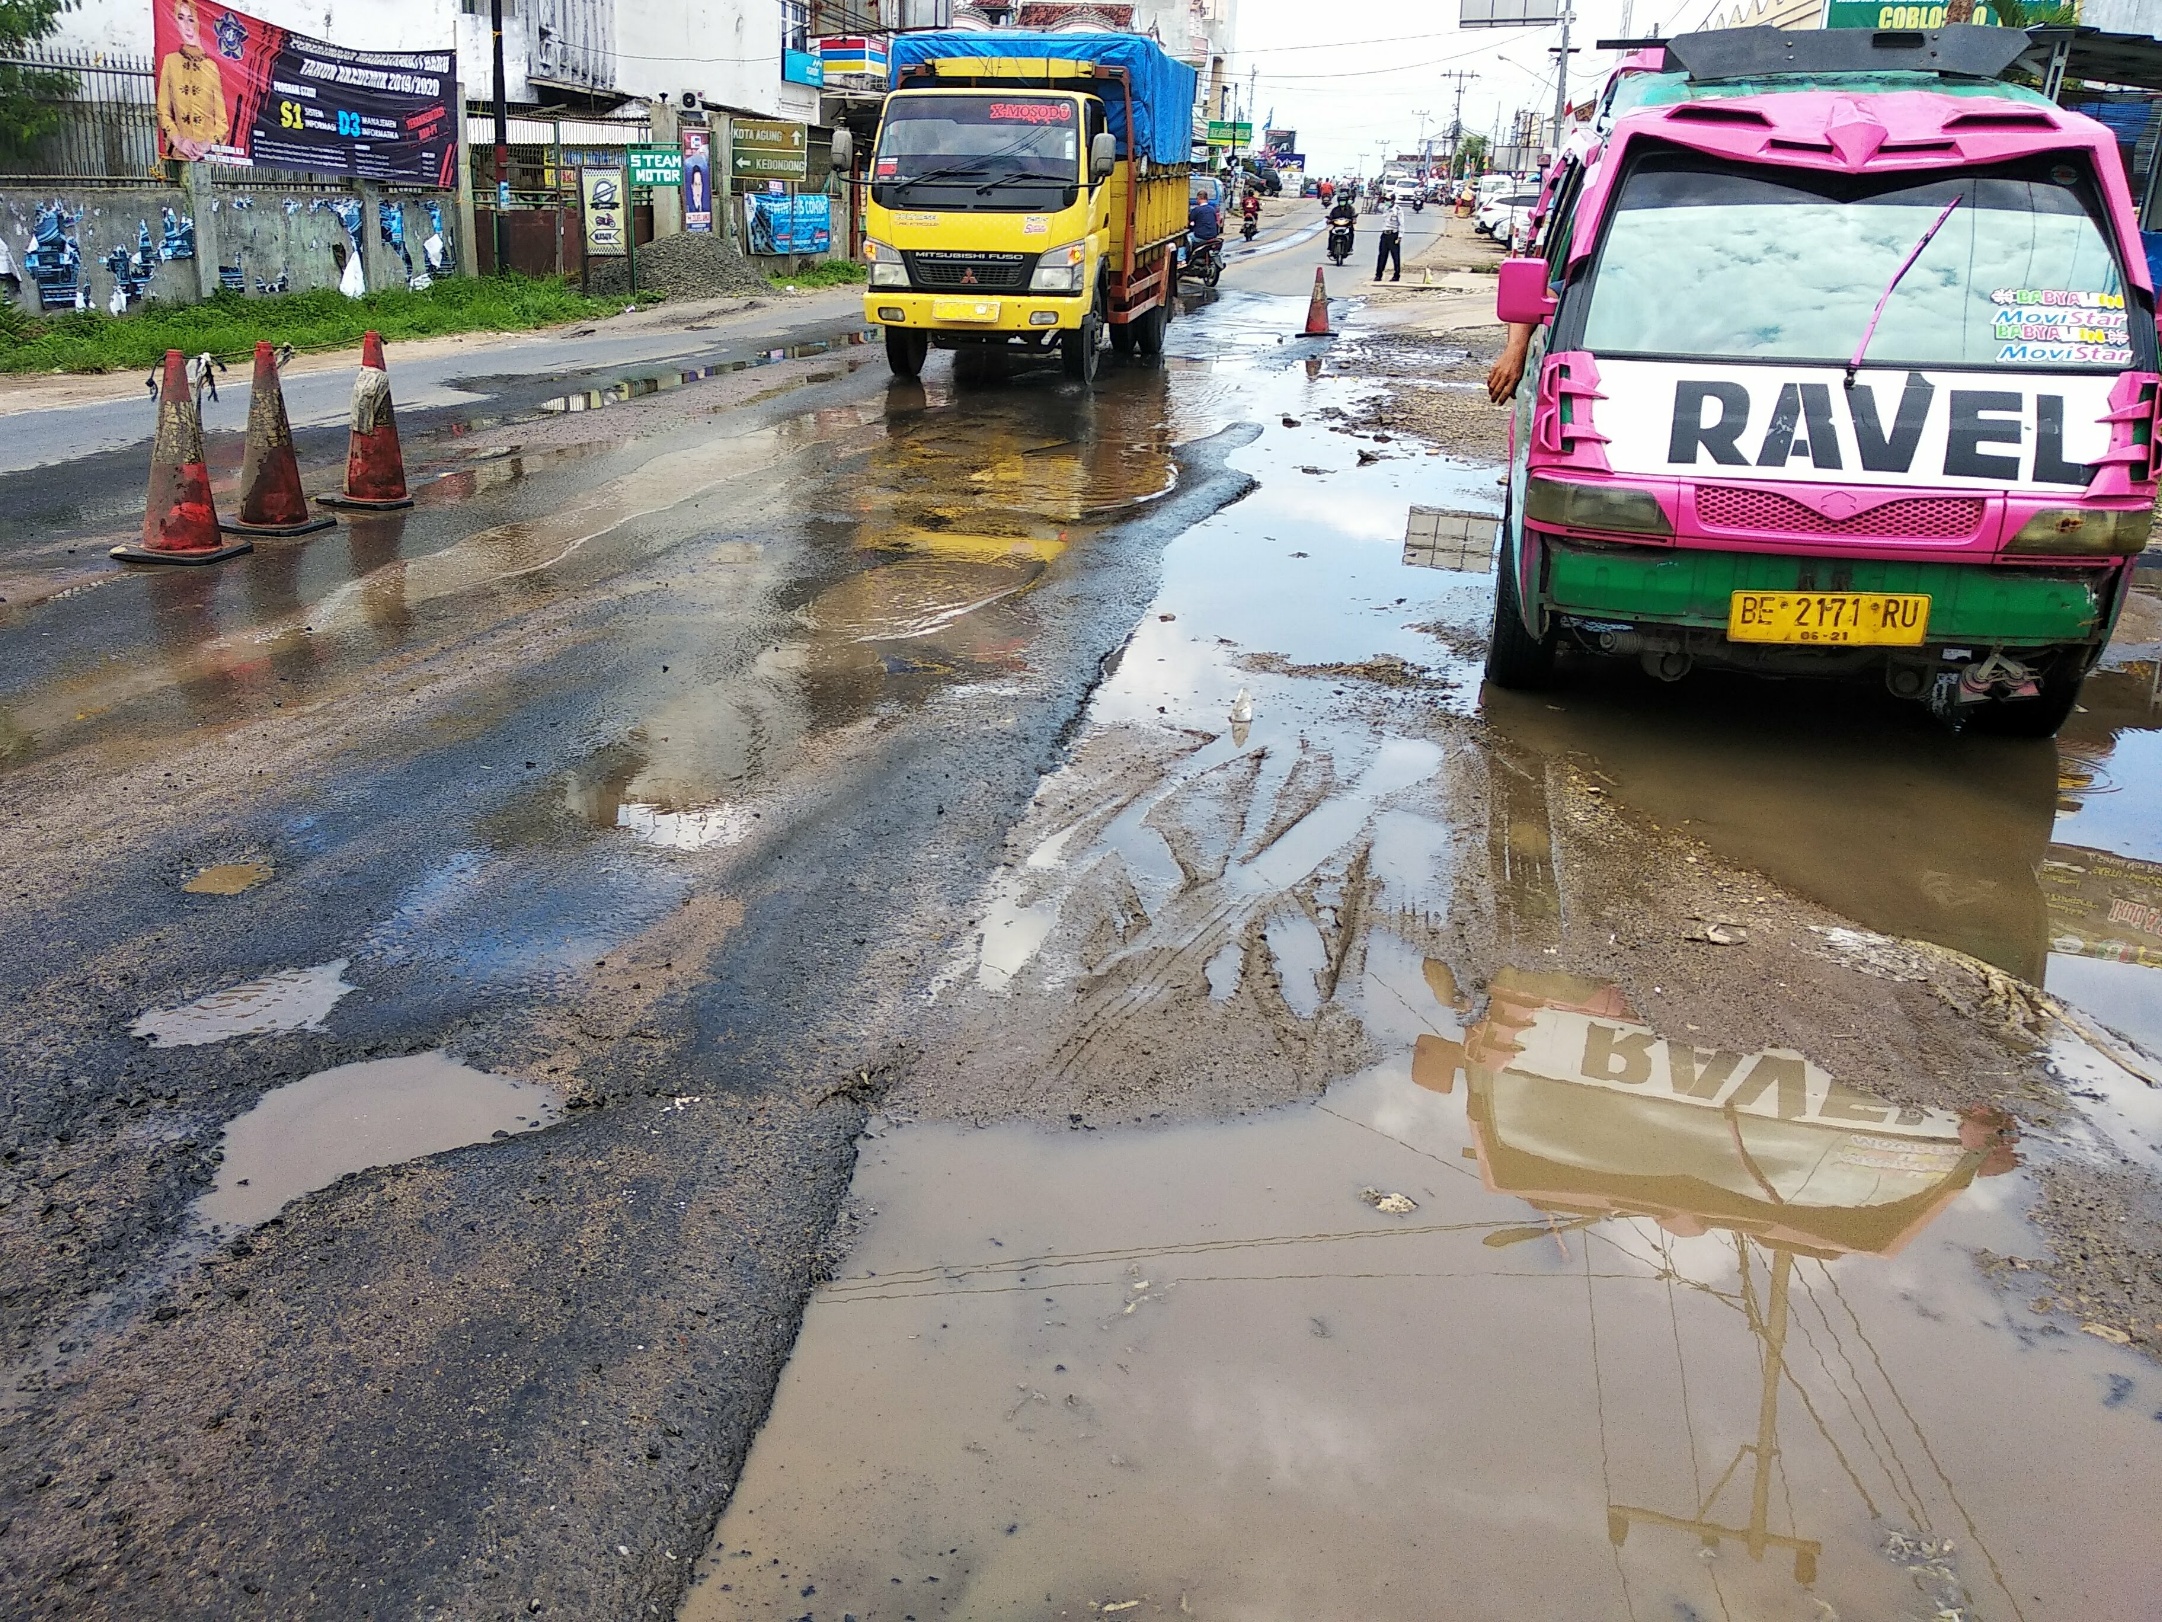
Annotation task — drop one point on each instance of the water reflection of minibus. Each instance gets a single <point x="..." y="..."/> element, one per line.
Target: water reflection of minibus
<point x="1839" y="365"/>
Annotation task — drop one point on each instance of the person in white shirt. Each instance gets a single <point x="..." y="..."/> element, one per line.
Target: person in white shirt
<point x="1392" y="243"/>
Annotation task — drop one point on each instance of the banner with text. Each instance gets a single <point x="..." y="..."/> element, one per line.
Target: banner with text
<point x="697" y="180"/>
<point x="233" y="89"/>
<point x="1880" y="14"/>
<point x="781" y="224"/>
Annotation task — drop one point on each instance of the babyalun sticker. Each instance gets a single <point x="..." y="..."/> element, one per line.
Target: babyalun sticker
<point x="2061" y="324"/>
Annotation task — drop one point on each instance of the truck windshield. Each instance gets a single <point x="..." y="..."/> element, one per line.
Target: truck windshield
<point x="1706" y="259"/>
<point x="1000" y="151"/>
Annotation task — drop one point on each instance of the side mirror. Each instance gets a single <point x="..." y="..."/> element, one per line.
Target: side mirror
<point x="1103" y="156"/>
<point x="1522" y="297"/>
<point x="844" y="151"/>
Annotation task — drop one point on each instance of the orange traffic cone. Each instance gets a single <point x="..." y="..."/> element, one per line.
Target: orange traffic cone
<point x="271" y="500"/>
<point x="180" y="523"/>
<point x="1317" y="309"/>
<point x="374" y="466"/>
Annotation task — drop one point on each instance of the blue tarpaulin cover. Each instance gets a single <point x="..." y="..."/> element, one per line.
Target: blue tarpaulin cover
<point x="1164" y="89"/>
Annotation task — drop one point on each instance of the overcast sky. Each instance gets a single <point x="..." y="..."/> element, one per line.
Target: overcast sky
<point x="1351" y="74"/>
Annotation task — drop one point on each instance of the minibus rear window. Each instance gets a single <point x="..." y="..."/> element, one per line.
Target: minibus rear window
<point x="1707" y="259"/>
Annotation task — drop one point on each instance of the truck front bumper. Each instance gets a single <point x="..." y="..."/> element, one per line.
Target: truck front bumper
<point x="1012" y="314"/>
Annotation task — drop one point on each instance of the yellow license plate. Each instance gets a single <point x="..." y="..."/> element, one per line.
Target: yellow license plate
<point x="1829" y="618"/>
<point x="964" y="309"/>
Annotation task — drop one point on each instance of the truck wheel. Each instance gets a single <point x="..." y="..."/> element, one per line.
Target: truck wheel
<point x="1079" y="348"/>
<point x="2037" y="717"/>
<point x="1122" y="337"/>
<point x="1514" y="657"/>
<point x="906" y="348"/>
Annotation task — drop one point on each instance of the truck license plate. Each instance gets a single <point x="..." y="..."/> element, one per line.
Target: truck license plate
<point x="964" y="309"/>
<point x="1829" y="618"/>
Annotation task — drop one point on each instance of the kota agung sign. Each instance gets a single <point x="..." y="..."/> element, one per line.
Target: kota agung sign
<point x="233" y="89"/>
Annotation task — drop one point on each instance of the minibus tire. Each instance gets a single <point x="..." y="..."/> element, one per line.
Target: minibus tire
<point x="906" y="348"/>
<point x="2037" y="717"/>
<point x="1514" y="657"/>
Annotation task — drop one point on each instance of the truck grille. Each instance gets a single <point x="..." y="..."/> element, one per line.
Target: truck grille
<point x="943" y="268"/>
<point x="1914" y="518"/>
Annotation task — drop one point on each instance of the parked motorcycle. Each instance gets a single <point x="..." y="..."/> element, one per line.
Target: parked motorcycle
<point x="1339" y="243"/>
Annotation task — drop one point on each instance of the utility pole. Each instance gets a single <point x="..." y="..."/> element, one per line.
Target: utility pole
<point x="1422" y="115"/>
<point x="1456" y="119"/>
<point x="1561" y="78"/>
<point x="502" y="143"/>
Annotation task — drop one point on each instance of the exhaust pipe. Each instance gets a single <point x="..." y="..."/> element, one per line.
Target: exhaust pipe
<point x="1669" y="664"/>
<point x="1907" y="680"/>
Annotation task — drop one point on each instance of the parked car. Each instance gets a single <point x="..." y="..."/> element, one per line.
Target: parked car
<point x="1504" y="216"/>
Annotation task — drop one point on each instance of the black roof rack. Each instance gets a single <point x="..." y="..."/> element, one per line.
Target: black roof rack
<point x="1748" y="53"/>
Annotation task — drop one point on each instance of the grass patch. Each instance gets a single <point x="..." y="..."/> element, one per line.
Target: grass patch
<point x="826" y="273"/>
<point x="230" y="324"/>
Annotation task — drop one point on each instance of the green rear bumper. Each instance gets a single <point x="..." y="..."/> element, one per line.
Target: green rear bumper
<point x="1968" y="602"/>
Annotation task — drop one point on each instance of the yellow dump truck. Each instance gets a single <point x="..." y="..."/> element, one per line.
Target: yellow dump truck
<point x="1028" y="191"/>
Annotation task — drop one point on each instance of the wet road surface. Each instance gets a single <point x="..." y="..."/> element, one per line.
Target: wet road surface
<point x="1334" y="1137"/>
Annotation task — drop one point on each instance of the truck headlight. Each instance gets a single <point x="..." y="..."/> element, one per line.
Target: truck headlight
<point x="1566" y="504"/>
<point x="887" y="270"/>
<point x="1060" y="270"/>
<point x="2085" y="532"/>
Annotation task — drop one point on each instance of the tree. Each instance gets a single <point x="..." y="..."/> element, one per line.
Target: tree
<point x="1470" y="155"/>
<point x="29" y="96"/>
<point x="2034" y="13"/>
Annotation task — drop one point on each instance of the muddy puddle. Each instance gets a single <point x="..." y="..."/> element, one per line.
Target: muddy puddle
<point x="1553" y="1314"/>
<point x="228" y="878"/>
<point x="942" y="513"/>
<point x="920" y="510"/>
<point x="309" y="1133"/>
<point x="2032" y="855"/>
<point x="660" y="382"/>
<point x="289" y="1000"/>
<point x="1534" y="1296"/>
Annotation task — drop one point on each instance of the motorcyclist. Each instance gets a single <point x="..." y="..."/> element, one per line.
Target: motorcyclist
<point x="1250" y="209"/>
<point x="1203" y="224"/>
<point x="1344" y="212"/>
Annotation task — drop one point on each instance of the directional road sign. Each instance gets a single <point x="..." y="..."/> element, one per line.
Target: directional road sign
<point x="760" y="149"/>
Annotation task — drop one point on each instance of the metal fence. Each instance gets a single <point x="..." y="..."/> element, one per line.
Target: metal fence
<point x="104" y="127"/>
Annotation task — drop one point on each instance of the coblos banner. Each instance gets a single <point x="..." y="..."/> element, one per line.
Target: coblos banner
<point x="234" y="89"/>
<point x="781" y="224"/>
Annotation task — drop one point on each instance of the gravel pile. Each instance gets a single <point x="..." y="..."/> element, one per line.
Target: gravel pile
<point x="691" y="266"/>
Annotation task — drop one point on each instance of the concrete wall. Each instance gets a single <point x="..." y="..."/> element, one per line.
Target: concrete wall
<point x="279" y="238"/>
